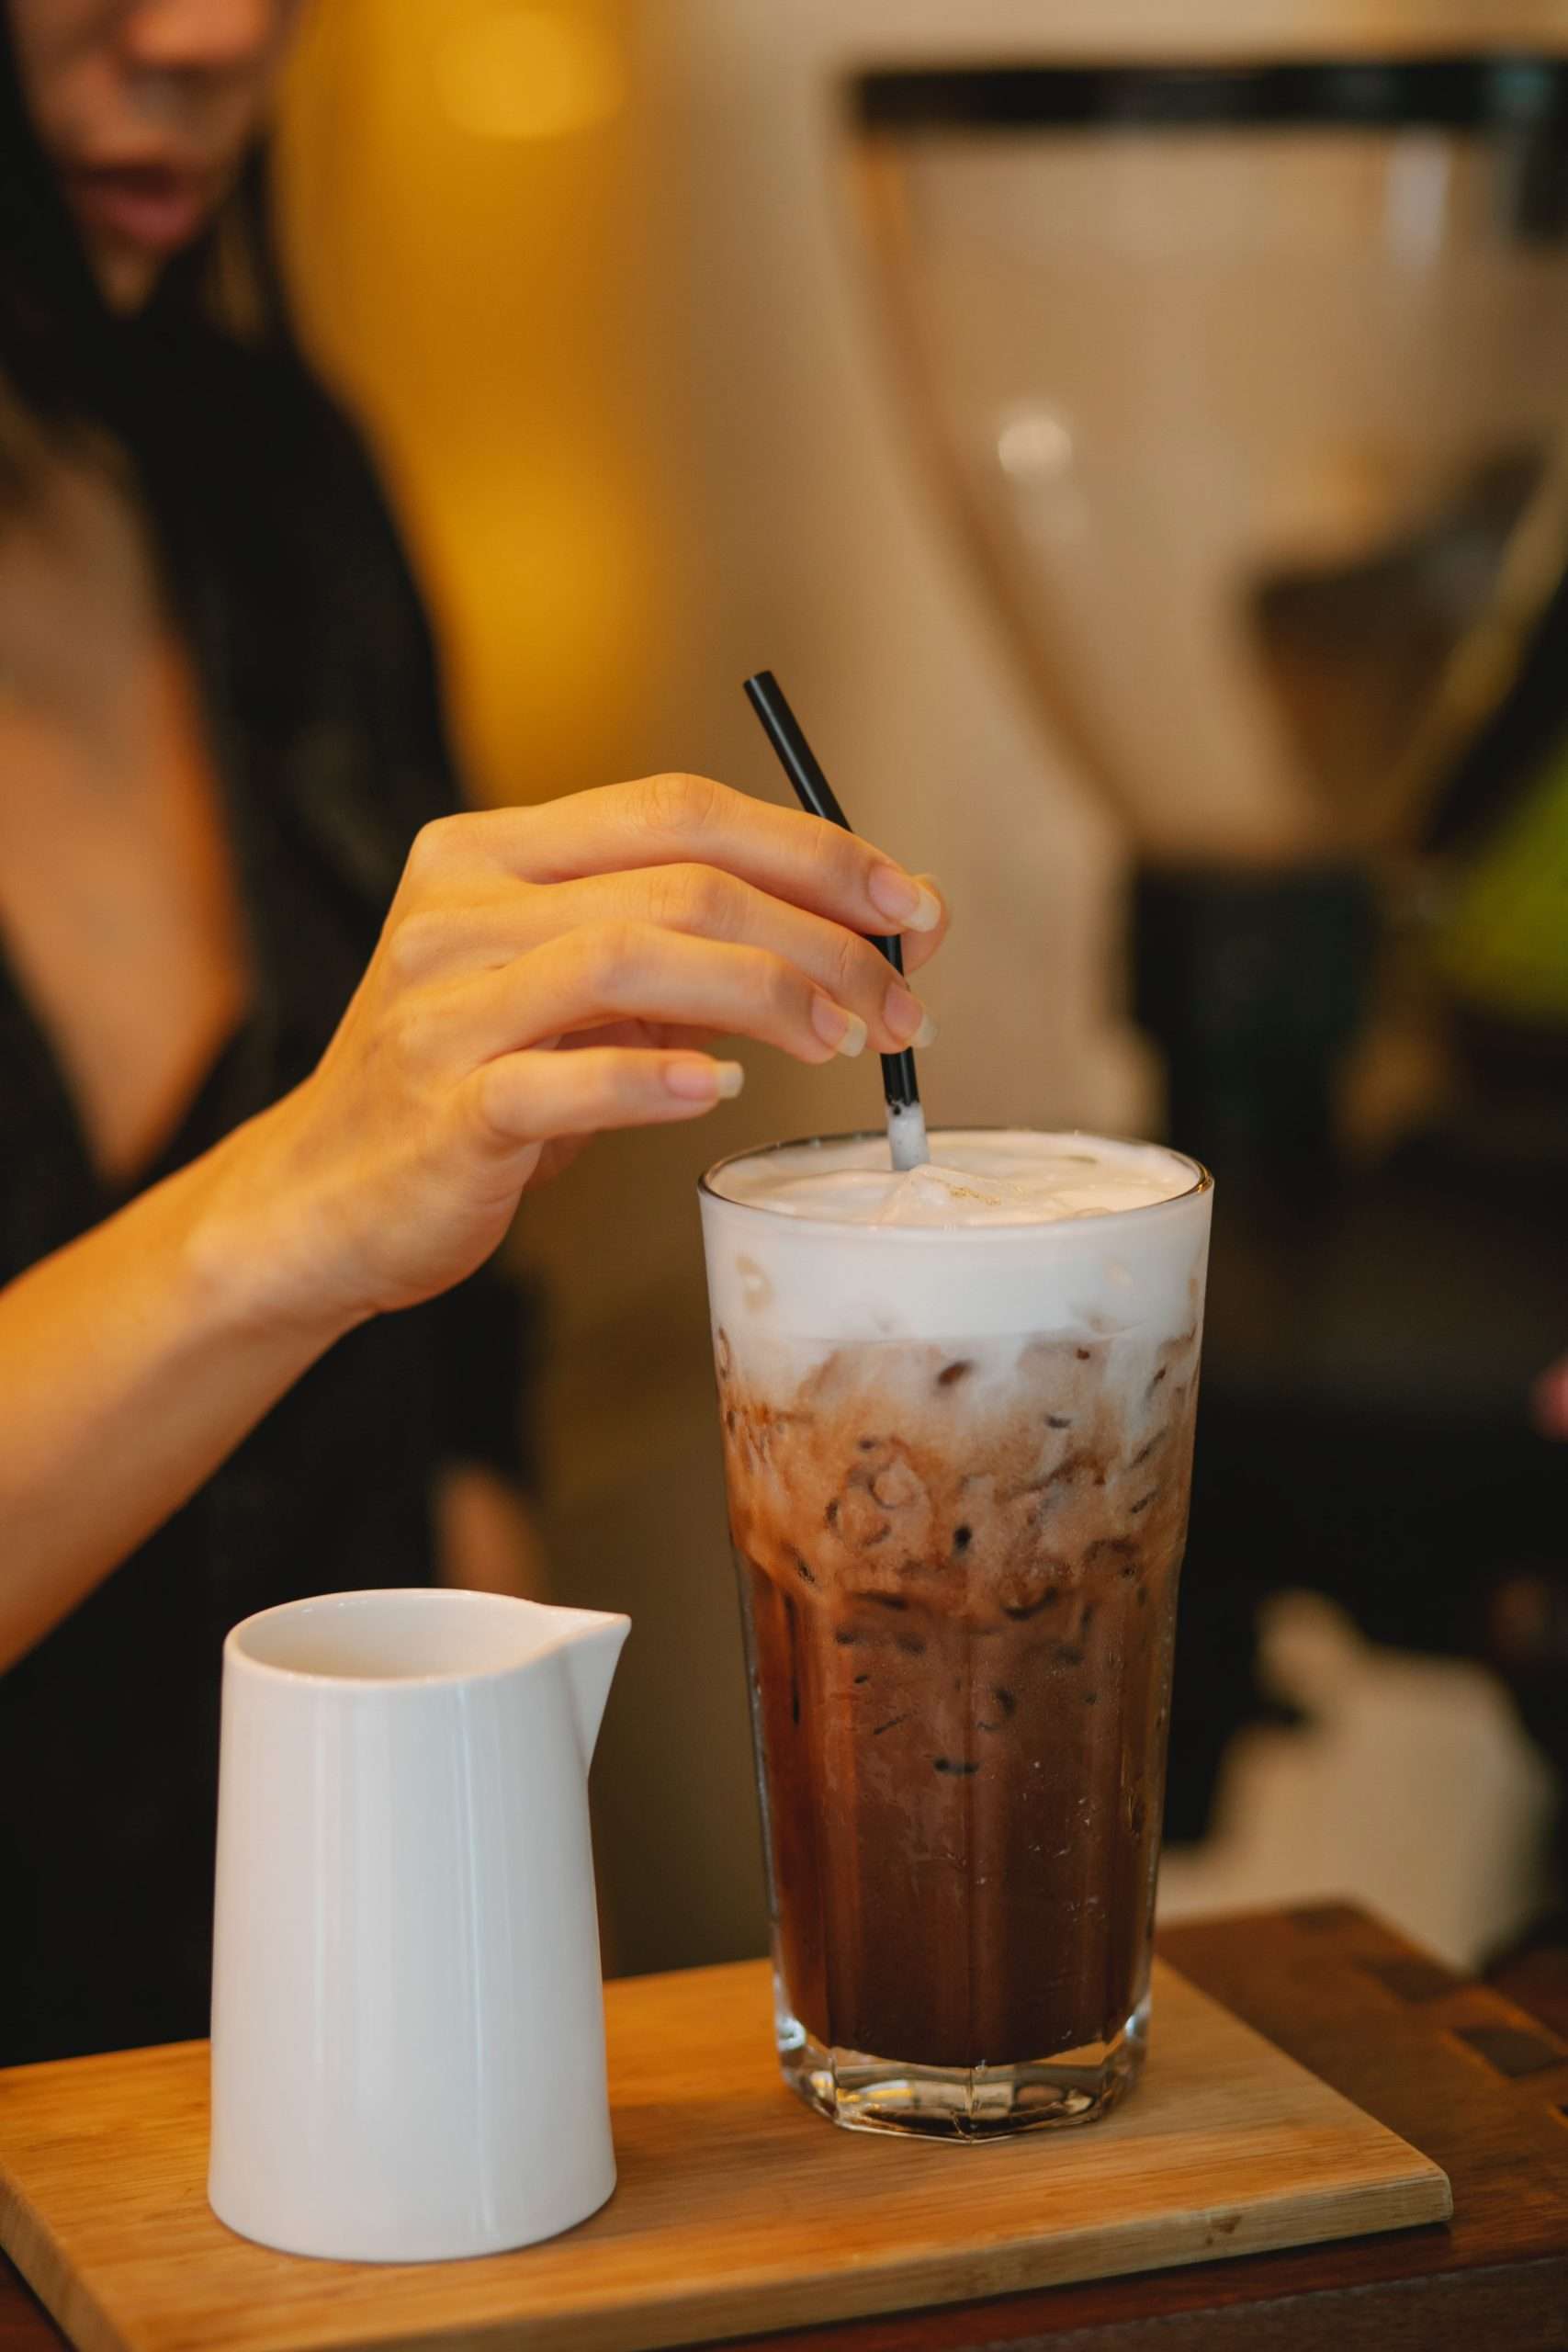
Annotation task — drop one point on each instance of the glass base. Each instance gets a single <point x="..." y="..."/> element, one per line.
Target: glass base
<point x="866" y="2094"/>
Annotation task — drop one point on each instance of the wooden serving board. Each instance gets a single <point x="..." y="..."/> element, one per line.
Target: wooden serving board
<point x="738" y="2210"/>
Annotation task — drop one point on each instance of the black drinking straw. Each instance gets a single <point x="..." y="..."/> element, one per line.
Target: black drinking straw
<point x="815" y="794"/>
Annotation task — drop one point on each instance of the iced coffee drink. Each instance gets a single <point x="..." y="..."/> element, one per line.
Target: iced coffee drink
<point x="958" y="1409"/>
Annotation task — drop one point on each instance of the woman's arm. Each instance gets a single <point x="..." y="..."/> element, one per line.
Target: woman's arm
<point x="632" y="924"/>
<point x="131" y="1363"/>
<point x="143" y="1364"/>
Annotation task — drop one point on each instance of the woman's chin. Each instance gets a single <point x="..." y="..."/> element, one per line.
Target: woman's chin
<point x="126" y="273"/>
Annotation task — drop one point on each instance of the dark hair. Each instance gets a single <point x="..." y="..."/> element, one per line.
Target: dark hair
<point x="68" y="363"/>
<point x="280" y="562"/>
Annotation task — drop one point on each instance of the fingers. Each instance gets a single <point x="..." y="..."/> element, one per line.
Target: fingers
<point x="682" y="819"/>
<point x="601" y="973"/>
<point x="506" y="919"/>
<point x="920" y="947"/>
<point x="539" y="1097"/>
<point x="711" y="903"/>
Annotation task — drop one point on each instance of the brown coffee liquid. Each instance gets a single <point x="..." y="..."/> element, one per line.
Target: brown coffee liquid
<point x="959" y="1580"/>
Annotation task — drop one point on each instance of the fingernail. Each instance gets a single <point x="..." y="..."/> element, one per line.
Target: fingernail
<point x="904" y="1013"/>
<point x="926" y="1034"/>
<point x="845" y="1032"/>
<point x="904" y="900"/>
<point x="704" y="1081"/>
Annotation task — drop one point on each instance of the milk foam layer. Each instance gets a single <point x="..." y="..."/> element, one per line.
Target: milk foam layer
<point x="1006" y="1233"/>
<point x="980" y="1178"/>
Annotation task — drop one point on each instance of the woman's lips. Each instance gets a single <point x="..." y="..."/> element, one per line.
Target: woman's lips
<point x="147" y="205"/>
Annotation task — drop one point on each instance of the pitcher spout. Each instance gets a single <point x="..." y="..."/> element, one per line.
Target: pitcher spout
<point x="590" y="1654"/>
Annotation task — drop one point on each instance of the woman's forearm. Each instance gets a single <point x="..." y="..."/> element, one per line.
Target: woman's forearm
<point x="542" y="974"/>
<point x="131" y="1363"/>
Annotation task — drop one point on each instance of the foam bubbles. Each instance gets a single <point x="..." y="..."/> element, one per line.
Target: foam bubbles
<point x="1004" y="1234"/>
<point x="979" y="1178"/>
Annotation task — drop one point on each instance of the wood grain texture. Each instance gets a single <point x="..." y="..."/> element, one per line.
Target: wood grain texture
<point x="736" y="2209"/>
<point x="1494" y="2281"/>
<point x="1318" y="1985"/>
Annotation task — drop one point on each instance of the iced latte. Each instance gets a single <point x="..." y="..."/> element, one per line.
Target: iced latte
<point x="958" y="1409"/>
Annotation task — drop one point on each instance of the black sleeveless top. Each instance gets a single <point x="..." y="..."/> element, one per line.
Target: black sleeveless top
<point x="108" y="1729"/>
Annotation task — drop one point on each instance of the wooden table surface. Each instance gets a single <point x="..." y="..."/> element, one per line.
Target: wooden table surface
<point x="1471" y="2081"/>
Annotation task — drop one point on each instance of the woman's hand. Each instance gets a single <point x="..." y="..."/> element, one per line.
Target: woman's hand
<point x="542" y="973"/>
<point x="545" y="974"/>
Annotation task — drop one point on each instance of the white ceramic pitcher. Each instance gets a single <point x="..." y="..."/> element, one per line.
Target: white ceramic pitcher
<point x="408" y="2038"/>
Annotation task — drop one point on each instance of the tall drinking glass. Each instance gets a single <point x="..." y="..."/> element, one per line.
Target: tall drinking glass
<point x="957" y="1412"/>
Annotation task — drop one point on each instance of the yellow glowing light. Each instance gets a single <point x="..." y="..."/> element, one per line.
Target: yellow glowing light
<point x="529" y="73"/>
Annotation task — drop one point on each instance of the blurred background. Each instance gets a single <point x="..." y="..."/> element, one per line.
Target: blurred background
<point x="1143" y="468"/>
